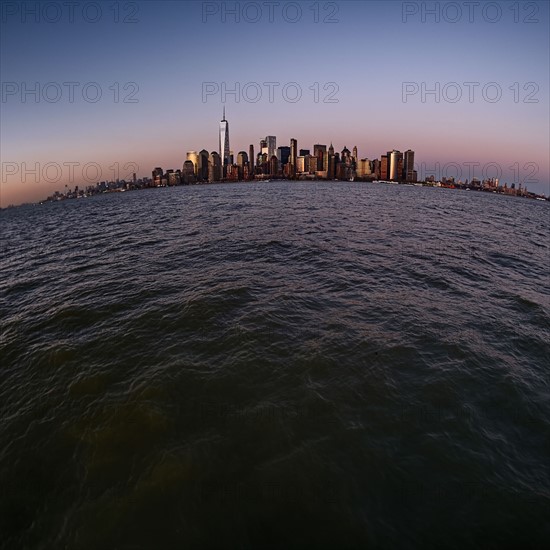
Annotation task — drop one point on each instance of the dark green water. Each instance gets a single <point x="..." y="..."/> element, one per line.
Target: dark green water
<point x="277" y="365"/>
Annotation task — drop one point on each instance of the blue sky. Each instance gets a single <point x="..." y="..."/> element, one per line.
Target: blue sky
<point x="168" y="50"/>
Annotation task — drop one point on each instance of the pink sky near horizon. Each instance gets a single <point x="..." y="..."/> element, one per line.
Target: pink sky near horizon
<point x="22" y="186"/>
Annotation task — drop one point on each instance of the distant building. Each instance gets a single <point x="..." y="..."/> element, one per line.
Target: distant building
<point x="202" y="168"/>
<point x="271" y="142"/>
<point x="263" y="147"/>
<point x="242" y="158"/>
<point x="157" y="176"/>
<point x="174" y="178"/>
<point x="232" y="172"/>
<point x="242" y="163"/>
<point x="193" y="157"/>
<point x="273" y="165"/>
<point x="224" y="140"/>
<point x="384" y="169"/>
<point x="188" y="172"/>
<point x="283" y="154"/>
<point x="408" y="166"/>
<point x="331" y="163"/>
<point x="214" y="167"/>
<point x="345" y="156"/>
<point x="312" y="162"/>
<point x="395" y="165"/>
<point x="376" y="168"/>
<point x="252" y="167"/>
<point x="364" y="168"/>
<point x="346" y="169"/>
<point x="293" y="156"/>
<point x="320" y="151"/>
<point x="340" y="171"/>
<point x="301" y="165"/>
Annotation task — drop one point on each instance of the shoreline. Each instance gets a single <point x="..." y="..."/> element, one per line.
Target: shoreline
<point x="126" y="187"/>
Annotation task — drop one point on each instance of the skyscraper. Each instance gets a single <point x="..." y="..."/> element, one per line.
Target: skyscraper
<point x="251" y="160"/>
<point x="224" y="140"/>
<point x="395" y="159"/>
<point x="157" y="175"/>
<point x="193" y="157"/>
<point x="384" y="169"/>
<point x="320" y="152"/>
<point x="376" y="169"/>
<point x="408" y="165"/>
<point x="364" y="167"/>
<point x="242" y="162"/>
<point x="188" y="172"/>
<point x="242" y="158"/>
<point x="293" y="156"/>
<point x="283" y="154"/>
<point x="271" y="146"/>
<point x="331" y="163"/>
<point x="273" y="165"/>
<point x="214" y="167"/>
<point x="202" y="169"/>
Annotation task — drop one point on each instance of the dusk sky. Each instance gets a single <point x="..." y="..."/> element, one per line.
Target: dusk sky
<point x="368" y="50"/>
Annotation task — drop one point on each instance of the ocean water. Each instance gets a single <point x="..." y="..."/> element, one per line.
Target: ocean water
<point x="276" y="365"/>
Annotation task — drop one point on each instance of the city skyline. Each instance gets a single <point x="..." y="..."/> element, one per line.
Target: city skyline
<point x="371" y="74"/>
<point x="394" y="165"/>
<point x="294" y="163"/>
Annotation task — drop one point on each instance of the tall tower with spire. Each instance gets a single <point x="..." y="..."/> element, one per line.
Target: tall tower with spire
<point x="224" y="140"/>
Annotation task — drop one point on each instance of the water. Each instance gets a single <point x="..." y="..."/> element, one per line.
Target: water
<point x="276" y="365"/>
